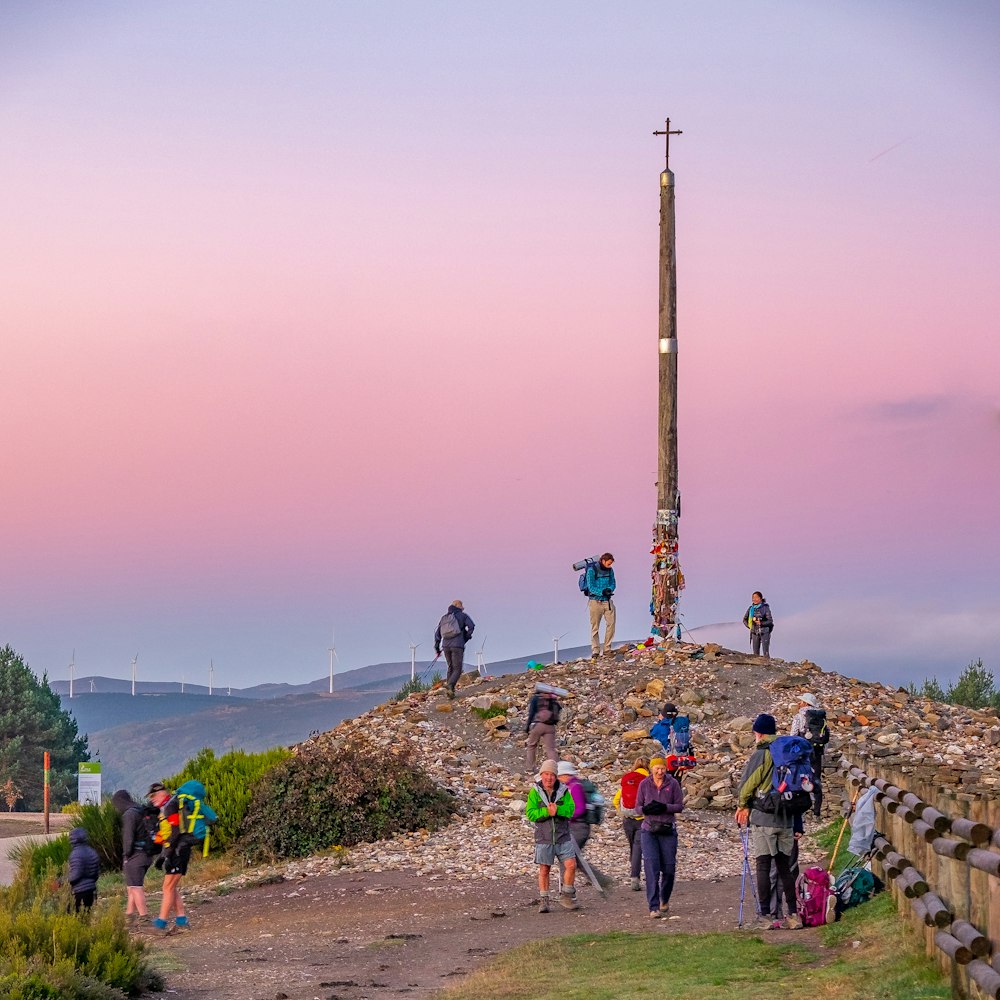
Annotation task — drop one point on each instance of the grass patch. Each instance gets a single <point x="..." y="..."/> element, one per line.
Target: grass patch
<point x="886" y="964"/>
<point x="490" y="713"/>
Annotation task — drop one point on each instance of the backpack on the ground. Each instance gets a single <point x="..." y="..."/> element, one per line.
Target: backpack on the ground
<point x="630" y="790"/>
<point x="595" y="803"/>
<point x="450" y="627"/>
<point x="146" y="830"/>
<point x="815" y="897"/>
<point x="855" y="886"/>
<point x="680" y="736"/>
<point x="792" y="777"/>
<point x="816" y="731"/>
<point x="547" y="709"/>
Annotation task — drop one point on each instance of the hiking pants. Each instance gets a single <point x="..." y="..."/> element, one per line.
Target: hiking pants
<point x="817" y="792"/>
<point x="776" y="894"/>
<point x="760" y="642"/>
<point x="631" y="828"/>
<point x="455" y="658"/>
<point x="599" y="610"/>
<point x="545" y="733"/>
<point x="785" y="877"/>
<point x="659" y="858"/>
<point x="580" y="832"/>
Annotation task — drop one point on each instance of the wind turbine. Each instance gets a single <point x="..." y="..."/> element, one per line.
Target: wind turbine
<point x="72" y="672"/>
<point x="413" y="658"/>
<point x="333" y="656"/>
<point x="555" y="646"/>
<point x="182" y="684"/>
<point x="480" y="660"/>
<point x="91" y="685"/>
<point x="134" y="658"/>
<point x="211" y="675"/>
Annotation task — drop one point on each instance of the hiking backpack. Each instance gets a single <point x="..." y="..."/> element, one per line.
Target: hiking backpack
<point x="630" y="790"/>
<point x="816" y="732"/>
<point x="854" y="886"/>
<point x="450" y="627"/>
<point x="587" y="563"/>
<point x="595" y="803"/>
<point x="146" y="830"/>
<point x="192" y="817"/>
<point x="680" y="736"/>
<point x="792" y="777"/>
<point x="815" y="897"/>
<point x="547" y="709"/>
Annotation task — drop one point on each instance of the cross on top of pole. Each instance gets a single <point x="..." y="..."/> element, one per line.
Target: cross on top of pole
<point x="668" y="133"/>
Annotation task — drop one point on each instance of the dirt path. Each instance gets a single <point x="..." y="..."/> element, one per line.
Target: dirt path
<point x="353" y="936"/>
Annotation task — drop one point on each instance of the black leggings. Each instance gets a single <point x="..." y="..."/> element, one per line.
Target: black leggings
<point x="785" y="877"/>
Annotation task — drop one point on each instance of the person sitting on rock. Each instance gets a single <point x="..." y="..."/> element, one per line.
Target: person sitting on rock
<point x="550" y="808"/>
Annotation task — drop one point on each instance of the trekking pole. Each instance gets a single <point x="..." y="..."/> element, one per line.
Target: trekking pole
<point x="843" y="827"/>
<point x="426" y="670"/>
<point x="743" y="885"/>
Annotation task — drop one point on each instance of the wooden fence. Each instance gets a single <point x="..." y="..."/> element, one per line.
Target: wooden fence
<point x="939" y="851"/>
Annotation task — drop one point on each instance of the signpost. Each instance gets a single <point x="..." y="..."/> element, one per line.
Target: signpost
<point x="89" y="783"/>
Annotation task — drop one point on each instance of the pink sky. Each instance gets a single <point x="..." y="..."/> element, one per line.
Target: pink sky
<point x="324" y="315"/>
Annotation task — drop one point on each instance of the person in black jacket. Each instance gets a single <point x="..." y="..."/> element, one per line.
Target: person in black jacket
<point x="453" y="632"/>
<point x="137" y="855"/>
<point x="84" y="869"/>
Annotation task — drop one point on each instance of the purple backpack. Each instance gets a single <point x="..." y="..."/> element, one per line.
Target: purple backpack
<point x="813" y="892"/>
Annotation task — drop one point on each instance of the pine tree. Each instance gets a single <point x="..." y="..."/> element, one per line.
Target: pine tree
<point x="32" y="721"/>
<point x="974" y="687"/>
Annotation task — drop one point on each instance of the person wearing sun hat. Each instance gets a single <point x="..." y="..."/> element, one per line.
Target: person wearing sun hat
<point x="659" y="799"/>
<point x="550" y="809"/>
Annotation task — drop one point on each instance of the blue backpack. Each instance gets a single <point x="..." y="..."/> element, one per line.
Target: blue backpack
<point x="792" y="777"/>
<point x="587" y="563"/>
<point x="680" y="738"/>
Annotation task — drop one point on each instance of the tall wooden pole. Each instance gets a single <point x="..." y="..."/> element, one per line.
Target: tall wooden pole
<point x="668" y="580"/>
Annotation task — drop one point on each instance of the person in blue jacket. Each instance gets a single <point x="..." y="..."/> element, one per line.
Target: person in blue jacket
<point x="663" y="726"/>
<point x="600" y="591"/>
<point x="84" y="869"/>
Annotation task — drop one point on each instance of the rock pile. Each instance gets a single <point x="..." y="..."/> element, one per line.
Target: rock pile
<point x="474" y="747"/>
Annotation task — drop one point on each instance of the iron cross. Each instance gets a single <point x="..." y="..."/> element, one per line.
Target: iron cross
<point x="668" y="134"/>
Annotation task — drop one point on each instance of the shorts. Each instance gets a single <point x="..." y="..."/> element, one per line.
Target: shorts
<point x="546" y="854"/>
<point x="772" y="840"/>
<point x="135" y="868"/>
<point x="177" y="863"/>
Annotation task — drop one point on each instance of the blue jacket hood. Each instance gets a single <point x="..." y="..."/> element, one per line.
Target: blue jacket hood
<point x="78" y="836"/>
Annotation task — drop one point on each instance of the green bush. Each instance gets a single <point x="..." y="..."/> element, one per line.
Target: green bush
<point x="38" y="859"/>
<point x="416" y="686"/>
<point x="104" y="831"/>
<point x="490" y="713"/>
<point x="229" y="781"/>
<point x="320" y="799"/>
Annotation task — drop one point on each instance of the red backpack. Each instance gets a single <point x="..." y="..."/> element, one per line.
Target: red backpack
<point x="630" y="788"/>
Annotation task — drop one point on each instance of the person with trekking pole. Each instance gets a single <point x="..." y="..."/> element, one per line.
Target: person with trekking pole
<point x="453" y="632"/>
<point x="770" y="827"/>
<point x="549" y="808"/>
<point x="759" y="620"/>
<point x="659" y="800"/>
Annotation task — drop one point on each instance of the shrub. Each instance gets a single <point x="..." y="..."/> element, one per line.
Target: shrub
<point x="320" y="798"/>
<point x="229" y="781"/>
<point x="489" y="713"/>
<point x="104" y="831"/>
<point x="38" y="859"/>
<point x="416" y="686"/>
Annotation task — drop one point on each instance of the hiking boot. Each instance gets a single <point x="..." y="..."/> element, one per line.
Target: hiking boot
<point x="654" y="914"/>
<point x="181" y="924"/>
<point x="159" y="926"/>
<point x="567" y="901"/>
<point x="664" y="909"/>
<point x="636" y="885"/>
<point x="793" y="923"/>
<point x="831" y="909"/>
<point x="451" y="693"/>
<point x="543" y="903"/>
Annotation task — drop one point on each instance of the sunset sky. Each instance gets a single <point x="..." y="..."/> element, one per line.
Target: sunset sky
<point x="319" y="315"/>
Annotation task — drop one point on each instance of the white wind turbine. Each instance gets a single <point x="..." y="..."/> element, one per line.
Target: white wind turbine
<point x="480" y="659"/>
<point x="134" y="658"/>
<point x="413" y="658"/>
<point x="91" y="685"/>
<point x="333" y="656"/>
<point x="182" y="684"/>
<point x="72" y="672"/>
<point x="211" y="675"/>
<point x="555" y="646"/>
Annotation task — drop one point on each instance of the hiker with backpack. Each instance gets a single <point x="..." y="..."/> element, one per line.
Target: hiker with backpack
<point x="184" y="821"/>
<point x="550" y="808"/>
<point x="769" y="794"/>
<point x="453" y="632"/>
<point x="624" y="801"/>
<point x="662" y="729"/>
<point x="659" y="799"/>
<point x="140" y="823"/>
<point x="810" y="724"/>
<point x="84" y="869"/>
<point x="759" y="620"/>
<point x="600" y="588"/>
<point x="544" y="710"/>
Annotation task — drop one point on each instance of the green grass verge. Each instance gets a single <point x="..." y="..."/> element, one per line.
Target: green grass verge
<point x="866" y="956"/>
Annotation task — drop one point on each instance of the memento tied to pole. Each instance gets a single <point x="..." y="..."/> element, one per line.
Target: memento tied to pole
<point x="668" y="581"/>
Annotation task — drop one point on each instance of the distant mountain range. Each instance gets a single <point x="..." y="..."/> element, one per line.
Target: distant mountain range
<point x="152" y="735"/>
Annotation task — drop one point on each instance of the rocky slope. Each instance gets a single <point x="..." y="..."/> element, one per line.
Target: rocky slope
<point x="604" y="726"/>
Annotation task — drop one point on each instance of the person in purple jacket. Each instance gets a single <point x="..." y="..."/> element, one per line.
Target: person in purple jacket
<point x="659" y="800"/>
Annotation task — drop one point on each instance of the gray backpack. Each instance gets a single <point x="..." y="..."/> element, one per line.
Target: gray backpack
<point x="450" y="626"/>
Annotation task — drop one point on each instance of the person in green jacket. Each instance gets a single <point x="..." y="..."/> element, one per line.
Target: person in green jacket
<point x="550" y="807"/>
